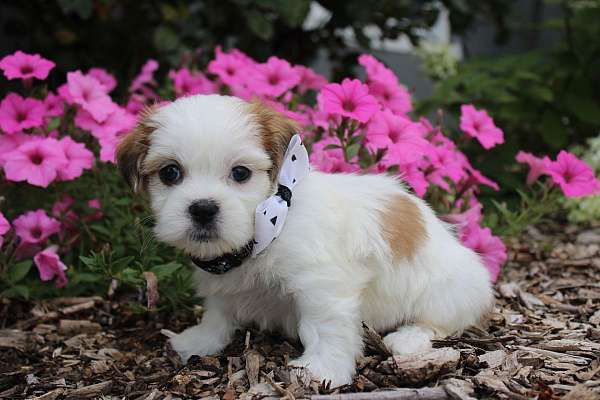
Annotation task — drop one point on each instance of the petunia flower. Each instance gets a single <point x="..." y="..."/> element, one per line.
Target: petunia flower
<point x="51" y="267"/>
<point x="273" y="78"/>
<point x="9" y="143"/>
<point x="536" y="165"/>
<point x="351" y="99"/>
<point x="309" y="79"/>
<point x="490" y="248"/>
<point x="18" y="113"/>
<point x="187" y="83"/>
<point x="54" y="105"/>
<point x="78" y="157"/>
<point x="479" y="125"/>
<point x="384" y="86"/>
<point x="330" y="159"/>
<point x="25" y="66"/>
<point x="90" y="94"/>
<point x="4" y="227"/>
<point x="145" y="77"/>
<point x="35" y="226"/>
<point x="118" y="120"/>
<point x="575" y="177"/>
<point x="230" y="67"/>
<point x="102" y="76"/>
<point x="402" y="137"/>
<point x="36" y="161"/>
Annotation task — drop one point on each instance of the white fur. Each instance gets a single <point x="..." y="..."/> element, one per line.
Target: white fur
<point x="330" y="268"/>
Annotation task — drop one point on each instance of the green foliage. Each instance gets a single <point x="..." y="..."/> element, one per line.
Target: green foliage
<point x="84" y="32"/>
<point x="118" y="247"/>
<point x="543" y="100"/>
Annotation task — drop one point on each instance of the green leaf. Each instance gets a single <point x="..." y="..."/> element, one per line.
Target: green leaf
<point x="165" y="38"/>
<point x="17" y="291"/>
<point x="352" y="151"/>
<point x="83" y="8"/>
<point x="260" y="25"/>
<point x="18" y="271"/>
<point x="553" y="131"/>
<point x="293" y="12"/>
<point x="583" y="107"/>
<point x="165" y="271"/>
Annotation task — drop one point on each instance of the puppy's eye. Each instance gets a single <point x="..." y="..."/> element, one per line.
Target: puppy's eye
<point x="170" y="174"/>
<point x="240" y="174"/>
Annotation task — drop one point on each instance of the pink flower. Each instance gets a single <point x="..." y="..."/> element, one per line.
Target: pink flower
<point x="118" y="120"/>
<point x="108" y="148"/>
<point x="489" y="247"/>
<point x="479" y="125"/>
<point x="50" y="267"/>
<point x="17" y="113"/>
<point x="187" y="83"/>
<point x="25" y="66"/>
<point x="412" y="174"/>
<point x="472" y="216"/>
<point x="331" y="159"/>
<point x="95" y="204"/>
<point x="4" y="227"/>
<point x="8" y="143"/>
<point x="273" y="78"/>
<point x="446" y="162"/>
<point x="402" y="137"/>
<point x="309" y="79"/>
<point x="78" y="157"/>
<point x="384" y="86"/>
<point x="54" y="105"/>
<point x="574" y="176"/>
<point x="145" y="77"/>
<point x="350" y="99"/>
<point x="90" y="94"/>
<point x="35" y="226"/>
<point x="479" y="179"/>
<point x="230" y="67"/>
<point x="395" y="97"/>
<point x="536" y="165"/>
<point x="62" y="206"/>
<point x="36" y="161"/>
<point x="107" y="80"/>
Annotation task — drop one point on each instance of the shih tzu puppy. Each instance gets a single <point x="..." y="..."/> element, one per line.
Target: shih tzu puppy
<point x="303" y="252"/>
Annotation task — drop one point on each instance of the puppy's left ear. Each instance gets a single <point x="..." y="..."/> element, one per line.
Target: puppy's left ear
<point x="276" y="130"/>
<point x="133" y="148"/>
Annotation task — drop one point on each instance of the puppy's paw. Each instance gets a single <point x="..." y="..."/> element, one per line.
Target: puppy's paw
<point x="193" y="341"/>
<point x="338" y="373"/>
<point x="409" y="340"/>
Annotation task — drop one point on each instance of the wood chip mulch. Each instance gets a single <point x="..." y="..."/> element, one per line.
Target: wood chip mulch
<point x="542" y="342"/>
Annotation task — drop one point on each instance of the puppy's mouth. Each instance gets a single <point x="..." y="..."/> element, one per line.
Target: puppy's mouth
<point x="202" y="234"/>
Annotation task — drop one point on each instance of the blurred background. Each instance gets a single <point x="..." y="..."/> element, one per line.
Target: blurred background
<point x="533" y="64"/>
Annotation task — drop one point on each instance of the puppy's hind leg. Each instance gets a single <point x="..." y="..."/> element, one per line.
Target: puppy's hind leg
<point x="210" y="336"/>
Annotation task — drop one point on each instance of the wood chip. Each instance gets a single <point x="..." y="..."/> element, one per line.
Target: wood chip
<point x="71" y="327"/>
<point x="89" y="391"/>
<point x="420" y="368"/>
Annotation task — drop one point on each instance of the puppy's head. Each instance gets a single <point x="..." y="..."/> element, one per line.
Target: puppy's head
<point x="206" y="162"/>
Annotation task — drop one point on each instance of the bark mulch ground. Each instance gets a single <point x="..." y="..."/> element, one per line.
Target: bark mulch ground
<point x="543" y="341"/>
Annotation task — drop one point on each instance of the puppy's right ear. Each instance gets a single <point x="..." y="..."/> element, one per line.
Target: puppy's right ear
<point x="133" y="148"/>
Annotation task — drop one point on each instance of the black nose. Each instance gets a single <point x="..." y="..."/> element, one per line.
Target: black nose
<point x="203" y="211"/>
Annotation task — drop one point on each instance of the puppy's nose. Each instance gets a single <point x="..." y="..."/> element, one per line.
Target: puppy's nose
<point x="203" y="211"/>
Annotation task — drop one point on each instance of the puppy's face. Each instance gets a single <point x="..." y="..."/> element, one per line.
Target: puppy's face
<point x="206" y="163"/>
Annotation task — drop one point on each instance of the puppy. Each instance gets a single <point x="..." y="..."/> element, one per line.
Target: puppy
<point x="353" y="247"/>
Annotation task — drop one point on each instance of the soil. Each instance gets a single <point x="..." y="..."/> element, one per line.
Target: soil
<point x="542" y="341"/>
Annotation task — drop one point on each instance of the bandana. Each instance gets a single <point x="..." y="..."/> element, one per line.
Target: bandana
<point x="270" y="214"/>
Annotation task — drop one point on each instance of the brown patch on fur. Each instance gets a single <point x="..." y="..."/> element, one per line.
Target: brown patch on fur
<point x="403" y="227"/>
<point x="276" y="130"/>
<point x="132" y="150"/>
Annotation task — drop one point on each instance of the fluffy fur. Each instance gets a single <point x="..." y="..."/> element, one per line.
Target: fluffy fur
<point x="354" y="247"/>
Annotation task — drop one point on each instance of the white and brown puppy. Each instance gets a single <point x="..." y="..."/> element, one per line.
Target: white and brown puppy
<point x="353" y="248"/>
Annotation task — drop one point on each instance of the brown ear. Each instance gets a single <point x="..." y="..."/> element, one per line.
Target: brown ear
<point x="133" y="148"/>
<point x="276" y="130"/>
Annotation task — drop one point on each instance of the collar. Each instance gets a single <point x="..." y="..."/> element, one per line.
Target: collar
<point x="225" y="262"/>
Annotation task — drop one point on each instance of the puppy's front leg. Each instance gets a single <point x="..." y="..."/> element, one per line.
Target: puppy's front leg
<point x="210" y="336"/>
<point x="329" y="329"/>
